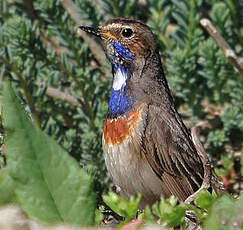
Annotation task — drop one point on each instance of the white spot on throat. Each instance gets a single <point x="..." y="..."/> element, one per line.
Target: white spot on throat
<point x="119" y="79"/>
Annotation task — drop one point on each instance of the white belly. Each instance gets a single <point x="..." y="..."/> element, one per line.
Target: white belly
<point x="130" y="170"/>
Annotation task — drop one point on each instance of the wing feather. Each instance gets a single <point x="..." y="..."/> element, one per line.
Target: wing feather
<point x="170" y="152"/>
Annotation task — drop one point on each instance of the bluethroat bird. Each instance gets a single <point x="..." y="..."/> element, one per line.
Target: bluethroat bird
<point x="147" y="148"/>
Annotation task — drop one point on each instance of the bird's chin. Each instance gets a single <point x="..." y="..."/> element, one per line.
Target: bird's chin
<point x="115" y="58"/>
<point x="108" y="48"/>
<point x="117" y="55"/>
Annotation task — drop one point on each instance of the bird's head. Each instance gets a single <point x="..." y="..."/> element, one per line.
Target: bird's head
<point x="125" y="41"/>
<point x="131" y="47"/>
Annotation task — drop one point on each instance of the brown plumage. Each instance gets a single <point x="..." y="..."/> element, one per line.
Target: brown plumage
<point x="147" y="147"/>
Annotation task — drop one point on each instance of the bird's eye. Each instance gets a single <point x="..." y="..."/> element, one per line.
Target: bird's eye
<point x="127" y="33"/>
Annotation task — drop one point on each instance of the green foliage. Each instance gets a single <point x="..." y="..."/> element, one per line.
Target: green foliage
<point x="160" y="20"/>
<point x="126" y="8"/>
<point x="225" y="213"/>
<point x="7" y="186"/>
<point x="227" y="166"/>
<point x="121" y="206"/>
<point x="169" y="212"/>
<point x="172" y="214"/>
<point x="48" y="184"/>
<point x="2" y="157"/>
<point x="204" y="200"/>
<point x="217" y="138"/>
<point x="31" y="62"/>
<point x="220" y="14"/>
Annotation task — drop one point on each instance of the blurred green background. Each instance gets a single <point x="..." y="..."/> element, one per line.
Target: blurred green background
<point x="64" y="80"/>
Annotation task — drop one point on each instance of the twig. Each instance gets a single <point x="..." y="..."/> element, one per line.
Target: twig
<point x="220" y="41"/>
<point x="57" y="94"/>
<point x="95" y="48"/>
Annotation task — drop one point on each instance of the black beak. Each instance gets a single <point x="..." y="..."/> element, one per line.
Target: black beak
<point x="90" y="30"/>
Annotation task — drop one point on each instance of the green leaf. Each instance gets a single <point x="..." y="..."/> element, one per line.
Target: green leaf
<point x="225" y="213"/>
<point x="176" y="217"/>
<point x="148" y="215"/>
<point x="173" y="201"/>
<point x="241" y="163"/>
<point x="7" y="186"/>
<point x="204" y="199"/>
<point x="121" y="206"/>
<point x="99" y="215"/>
<point x="169" y="213"/>
<point x="51" y="186"/>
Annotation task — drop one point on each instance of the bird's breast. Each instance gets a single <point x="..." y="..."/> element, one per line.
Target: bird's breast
<point x="117" y="130"/>
<point x="125" y="159"/>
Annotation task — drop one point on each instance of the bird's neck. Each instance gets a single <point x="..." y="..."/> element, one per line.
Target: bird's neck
<point x="120" y="102"/>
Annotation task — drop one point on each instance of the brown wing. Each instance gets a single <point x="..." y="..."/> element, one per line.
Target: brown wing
<point x="170" y="152"/>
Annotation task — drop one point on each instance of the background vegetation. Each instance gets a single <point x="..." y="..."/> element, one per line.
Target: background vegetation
<point x="63" y="81"/>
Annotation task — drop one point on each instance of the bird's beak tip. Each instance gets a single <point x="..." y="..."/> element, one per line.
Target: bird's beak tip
<point x="90" y="30"/>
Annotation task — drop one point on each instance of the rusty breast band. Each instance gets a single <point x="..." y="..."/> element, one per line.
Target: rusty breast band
<point x="117" y="130"/>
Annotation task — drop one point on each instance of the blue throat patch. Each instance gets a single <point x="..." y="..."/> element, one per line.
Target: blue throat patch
<point x="119" y="101"/>
<point x="122" y="50"/>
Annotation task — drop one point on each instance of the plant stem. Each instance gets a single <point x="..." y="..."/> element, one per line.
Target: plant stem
<point x="220" y="41"/>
